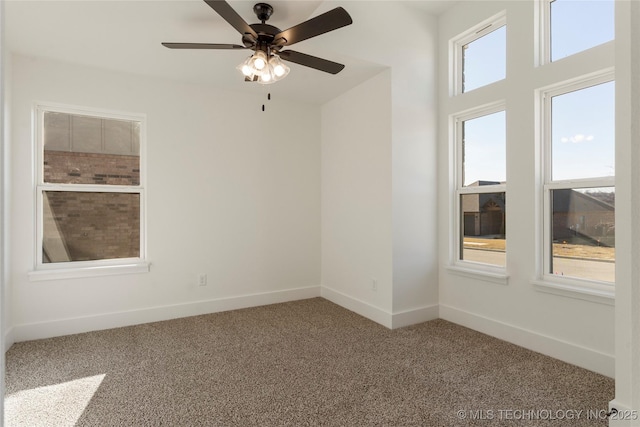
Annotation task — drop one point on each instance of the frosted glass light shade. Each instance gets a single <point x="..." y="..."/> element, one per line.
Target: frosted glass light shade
<point x="265" y="70"/>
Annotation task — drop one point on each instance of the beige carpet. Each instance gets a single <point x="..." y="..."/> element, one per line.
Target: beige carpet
<point x="302" y="363"/>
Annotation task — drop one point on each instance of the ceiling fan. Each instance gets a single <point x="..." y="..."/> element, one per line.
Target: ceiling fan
<point x="265" y="65"/>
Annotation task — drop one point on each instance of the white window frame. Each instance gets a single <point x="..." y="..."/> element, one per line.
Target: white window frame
<point x="546" y="281"/>
<point x="544" y="36"/>
<point x="74" y="269"/>
<point x="490" y="272"/>
<point x="457" y="44"/>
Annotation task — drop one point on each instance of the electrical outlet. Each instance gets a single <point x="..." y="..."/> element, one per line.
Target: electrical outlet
<point x="202" y="280"/>
<point x="374" y="285"/>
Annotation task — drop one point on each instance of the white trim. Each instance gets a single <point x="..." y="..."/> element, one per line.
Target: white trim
<point x="457" y="43"/>
<point x="563" y="350"/>
<point x="91" y="188"/>
<point x="483" y="189"/>
<point x="389" y="320"/>
<point x="456" y="125"/>
<point x="360" y="307"/>
<point x="618" y="405"/>
<point x="480" y="111"/>
<point x="498" y="276"/>
<point x="607" y="181"/>
<point x="90" y="111"/>
<point x="415" y="316"/>
<point x="543" y="33"/>
<point x="4" y="203"/>
<point x="549" y="282"/>
<point x="452" y="197"/>
<point x="95" y="270"/>
<point x="9" y="339"/>
<point x="601" y="293"/>
<point x="573" y="84"/>
<point x="624" y="409"/>
<point x="46" y="271"/>
<point x="60" y="327"/>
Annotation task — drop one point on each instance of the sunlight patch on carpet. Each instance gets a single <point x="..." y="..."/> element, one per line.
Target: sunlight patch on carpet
<point x="59" y="404"/>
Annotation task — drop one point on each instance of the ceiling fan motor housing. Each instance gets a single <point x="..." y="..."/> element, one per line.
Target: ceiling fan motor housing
<point x="266" y="34"/>
<point x="263" y="11"/>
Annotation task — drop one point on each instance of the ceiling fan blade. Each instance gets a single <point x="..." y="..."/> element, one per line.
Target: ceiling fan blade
<point x="202" y="46"/>
<point x="231" y="16"/>
<point x="311" y="61"/>
<point x="328" y="21"/>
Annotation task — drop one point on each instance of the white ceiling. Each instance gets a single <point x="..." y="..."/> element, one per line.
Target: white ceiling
<point x="125" y="35"/>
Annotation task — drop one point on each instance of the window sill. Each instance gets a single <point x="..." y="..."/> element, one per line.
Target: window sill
<point x="93" y="271"/>
<point x="487" y="276"/>
<point x="598" y="293"/>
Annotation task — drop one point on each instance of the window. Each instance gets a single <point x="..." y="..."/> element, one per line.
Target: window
<point x="579" y="188"/>
<point x="574" y="26"/>
<point x="89" y="189"/>
<point x="561" y="146"/>
<point x="481" y="55"/>
<point x="481" y="184"/>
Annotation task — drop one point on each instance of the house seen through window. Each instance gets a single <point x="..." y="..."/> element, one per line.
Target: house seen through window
<point x="580" y="192"/>
<point x="482" y="196"/>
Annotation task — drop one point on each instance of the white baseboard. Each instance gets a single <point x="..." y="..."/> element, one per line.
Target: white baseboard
<point x="39" y="330"/>
<point x="414" y="316"/>
<point x="571" y="353"/>
<point x="625" y="417"/>
<point x="364" y="309"/>
<point x="568" y="352"/>
<point x="378" y="315"/>
<point x="9" y="339"/>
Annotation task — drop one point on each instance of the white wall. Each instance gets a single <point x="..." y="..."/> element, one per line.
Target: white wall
<point x="4" y="81"/>
<point x="229" y="194"/>
<point x="414" y="164"/>
<point x="627" y="316"/>
<point x="402" y="101"/>
<point x="244" y="207"/>
<point x="356" y="199"/>
<point x="7" y="307"/>
<point x="256" y="226"/>
<point x="575" y="330"/>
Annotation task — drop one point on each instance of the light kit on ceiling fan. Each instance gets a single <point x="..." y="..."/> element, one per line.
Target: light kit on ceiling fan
<point x="263" y="69"/>
<point x="266" y="65"/>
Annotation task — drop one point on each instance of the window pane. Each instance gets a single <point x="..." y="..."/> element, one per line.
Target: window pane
<point x="86" y="134"/>
<point x="484" y="60"/>
<point x="484" y="150"/>
<point x="580" y="25"/>
<point x="81" y="226"/>
<point x="583" y="233"/>
<point x="57" y="131"/>
<point x="583" y="133"/>
<point x="483" y="228"/>
<point x="90" y="150"/>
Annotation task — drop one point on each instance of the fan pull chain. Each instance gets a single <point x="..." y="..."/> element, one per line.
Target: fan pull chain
<point x="268" y="99"/>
